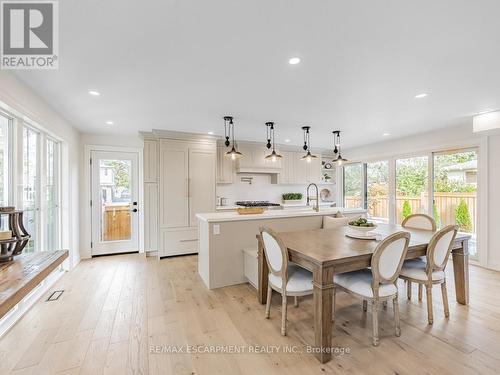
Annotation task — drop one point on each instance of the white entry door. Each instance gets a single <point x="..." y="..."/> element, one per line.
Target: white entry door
<point x="115" y="192"/>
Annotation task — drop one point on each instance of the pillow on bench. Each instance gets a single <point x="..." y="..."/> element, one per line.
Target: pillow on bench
<point x="330" y="222"/>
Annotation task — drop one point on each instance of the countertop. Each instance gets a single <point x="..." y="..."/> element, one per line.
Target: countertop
<point x="275" y="214"/>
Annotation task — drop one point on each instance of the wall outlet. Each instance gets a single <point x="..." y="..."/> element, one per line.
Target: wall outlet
<point x="216" y="229"/>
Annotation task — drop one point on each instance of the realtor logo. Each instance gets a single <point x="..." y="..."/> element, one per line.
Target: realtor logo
<point x="29" y="35"/>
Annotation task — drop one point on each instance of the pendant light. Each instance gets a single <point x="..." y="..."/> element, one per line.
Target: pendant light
<point x="308" y="156"/>
<point x="229" y="133"/>
<point x="336" y="150"/>
<point x="273" y="156"/>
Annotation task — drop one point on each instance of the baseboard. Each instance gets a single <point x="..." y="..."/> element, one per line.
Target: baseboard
<point x="152" y="253"/>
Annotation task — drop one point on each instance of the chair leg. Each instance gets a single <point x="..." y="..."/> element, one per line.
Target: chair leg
<point x="395" y="304"/>
<point x="408" y="289"/>
<point x="333" y="305"/>
<point x="296" y="301"/>
<point x="365" y="305"/>
<point x="430" y="316"/>
<point x="384" y="305"/>
<point x="375" y="322"/>
<point x="283" y="314"/>
<point x="268" y="303"/>
<point x="444" y="292"/>
<point x="420" y="290"/>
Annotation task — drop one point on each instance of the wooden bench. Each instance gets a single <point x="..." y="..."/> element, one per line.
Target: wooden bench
<point x="23" y="274"/>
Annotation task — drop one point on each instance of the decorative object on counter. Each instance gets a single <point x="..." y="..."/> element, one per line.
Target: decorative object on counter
<point x="224" y="201"/>
<point x="229" y="133"/>
<point x="336" y="150"/>
<point x="338" y="214"/>
<point x="257" y="204"/>
<point x="15" y="244"/>
<point x="307" y="145"/>
<point x="7" y="209"/>
<point x="250" y="210"/>
<point x="291" y="198"/>
<point x="273" y="156"/>
<point x="325" y="195"/>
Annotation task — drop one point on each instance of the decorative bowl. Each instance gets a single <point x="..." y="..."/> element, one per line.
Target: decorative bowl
<point x="363" y="229"/>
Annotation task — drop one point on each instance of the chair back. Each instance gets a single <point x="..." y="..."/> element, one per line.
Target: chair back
<point x="440" y="247"/>
<point x="276" y="253"/>
<point x="419" y="221"/>
<point x="388" y="258"/>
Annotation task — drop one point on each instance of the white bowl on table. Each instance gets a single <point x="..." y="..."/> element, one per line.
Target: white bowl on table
<point x="362" y="233"/>
<point x="363" y="229"/>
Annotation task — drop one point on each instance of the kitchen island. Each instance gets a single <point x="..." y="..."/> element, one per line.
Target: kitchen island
<point x="224" y="236"/>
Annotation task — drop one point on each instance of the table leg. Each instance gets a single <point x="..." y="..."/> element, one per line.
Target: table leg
<point x="323" y="299"/>
<point x="461" y="272"/>
<point x="263" y="273"/>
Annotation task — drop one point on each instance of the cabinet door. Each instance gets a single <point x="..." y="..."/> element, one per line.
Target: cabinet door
<point x="224" y="167"/>
<point x="314" y="171"/>
<point x="150" y="161"/>
<point x="299" y="168"/>
<point x="150" y="216"/>
<point x="286" y="173"/>
<point x="246" y="161"/>
<point x="174" y="209"/>
<point x="201" y="182"/>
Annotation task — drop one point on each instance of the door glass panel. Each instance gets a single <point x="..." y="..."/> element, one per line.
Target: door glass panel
<point x="51" y="232"/>
<point x="377" y="184"/>
<point x="353" y="186"/>
<point x="30" y="191"/>
<point x="4" y="160"/>
<point x="412" y="175"/>
<point x="455" y="192"/>
<point x="115" y="189"/>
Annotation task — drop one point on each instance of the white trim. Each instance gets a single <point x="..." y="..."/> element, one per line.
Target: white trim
<point x="87" y="192"/>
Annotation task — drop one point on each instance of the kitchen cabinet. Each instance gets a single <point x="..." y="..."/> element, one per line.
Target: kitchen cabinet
<point x="225" y="167"/>
<point x="297" y="171"/>
<point x="150" y="161"/>
<point x="151" y="216"/>
<point x="254" y="160"/>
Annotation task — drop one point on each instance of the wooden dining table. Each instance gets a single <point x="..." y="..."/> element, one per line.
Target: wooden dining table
<point x="326" y="252"/>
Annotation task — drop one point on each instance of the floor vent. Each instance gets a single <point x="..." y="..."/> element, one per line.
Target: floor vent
<point x="55" y="295"/>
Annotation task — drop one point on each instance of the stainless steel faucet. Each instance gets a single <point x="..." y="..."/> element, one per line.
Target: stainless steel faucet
<point x="316" y="207"/>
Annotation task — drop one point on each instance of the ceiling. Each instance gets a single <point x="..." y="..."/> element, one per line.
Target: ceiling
<point x="183" y="64"/>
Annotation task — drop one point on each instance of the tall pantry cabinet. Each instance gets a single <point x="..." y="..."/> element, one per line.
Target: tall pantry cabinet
<point x="186" y="186"/>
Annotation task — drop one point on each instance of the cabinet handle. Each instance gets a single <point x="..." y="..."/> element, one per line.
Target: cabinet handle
<point x="189" y="240"/>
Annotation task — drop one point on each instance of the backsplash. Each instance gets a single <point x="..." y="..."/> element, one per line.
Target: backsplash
<point x="261" y="189"/>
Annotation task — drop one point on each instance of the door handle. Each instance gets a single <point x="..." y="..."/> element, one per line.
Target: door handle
<point x="135" y="210"/>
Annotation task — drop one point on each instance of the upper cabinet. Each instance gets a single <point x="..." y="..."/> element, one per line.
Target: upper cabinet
<point x="150" y="161"/>
<point x="254" y="161"/>
<point x="297" y="171"/>
<point x="225" y="167"/>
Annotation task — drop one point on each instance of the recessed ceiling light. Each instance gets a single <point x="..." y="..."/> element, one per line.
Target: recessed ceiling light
<point x="110" y="123"/>
<point x="386" y="134"/>
<point x="94" y="93"/>
<point x="420" y="96"/>
<point x="211" y="133"/>
<point x="294" y="61"/>
<point x="287" y="140"/>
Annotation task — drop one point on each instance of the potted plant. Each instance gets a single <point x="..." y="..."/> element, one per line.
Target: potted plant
<point x="291" y="198"/>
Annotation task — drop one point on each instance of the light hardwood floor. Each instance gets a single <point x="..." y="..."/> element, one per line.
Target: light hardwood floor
<point x="115" y="308"/>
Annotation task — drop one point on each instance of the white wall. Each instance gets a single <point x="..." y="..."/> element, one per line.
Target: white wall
<point x="20" y="98"/>
<point x="488" y="173"/>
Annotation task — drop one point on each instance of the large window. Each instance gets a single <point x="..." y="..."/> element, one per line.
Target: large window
<point x="51" y="206"/>
<point x="353" y="185"/>
<point x="4" y="159"/>
<point x="412" y="186"/>
<point x="377" y="189"/>
<point x="31" y="201"/>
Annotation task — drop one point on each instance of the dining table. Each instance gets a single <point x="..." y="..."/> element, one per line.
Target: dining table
<point x="326" y="252"/>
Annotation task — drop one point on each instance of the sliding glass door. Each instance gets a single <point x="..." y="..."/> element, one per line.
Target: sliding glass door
<point x="412" y="187"/>
<point x="50" y="210"/>
<point x="455" y="191"/>
<point x="31" y="190"/>
<point x="377" y="190"/>
<point x="353" y="186"/>
<point x="4" y="159"/>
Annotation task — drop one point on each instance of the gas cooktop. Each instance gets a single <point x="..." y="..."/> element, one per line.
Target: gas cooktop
<point x="257" y="204"/>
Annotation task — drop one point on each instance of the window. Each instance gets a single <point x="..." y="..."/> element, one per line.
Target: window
<point x="377" y="189"/>
<point x="353" y="186"/>
<point x="30" y="196"/>
<point x="51" y="207"/>
<point x="412" y="186"/>
<point x="4" y="159"/>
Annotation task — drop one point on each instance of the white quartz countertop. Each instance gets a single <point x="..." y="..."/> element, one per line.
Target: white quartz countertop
<point x="275" y="214"/>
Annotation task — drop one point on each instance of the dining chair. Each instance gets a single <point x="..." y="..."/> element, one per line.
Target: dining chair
<point x="285" y="277"/>
<point x="378" y="284"/>
<point x="418" y="221"/>
<point x="431" y="271"/>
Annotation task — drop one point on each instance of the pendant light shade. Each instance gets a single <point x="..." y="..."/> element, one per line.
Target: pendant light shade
<point x="308" y="156"/>
<point x="229" y="134"/>
<point x="339" y="160"/>
<point x="273" y="156"/>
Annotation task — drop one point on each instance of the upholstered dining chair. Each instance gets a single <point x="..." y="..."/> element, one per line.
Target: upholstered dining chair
<point x="285" y="277"/>
<point x="431" y="271"/>
<point x="418" y="221"/>
<point x="378" y="284"/>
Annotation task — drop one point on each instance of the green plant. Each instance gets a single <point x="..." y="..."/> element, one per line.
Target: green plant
<point x="437" y="218"/>
<point x="291" y="196"/>
<point x="462" y="217"/>
<point x="406" y="209"/>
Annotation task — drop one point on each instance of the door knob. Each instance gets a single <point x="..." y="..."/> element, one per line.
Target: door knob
<point x="134" y="210"/>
